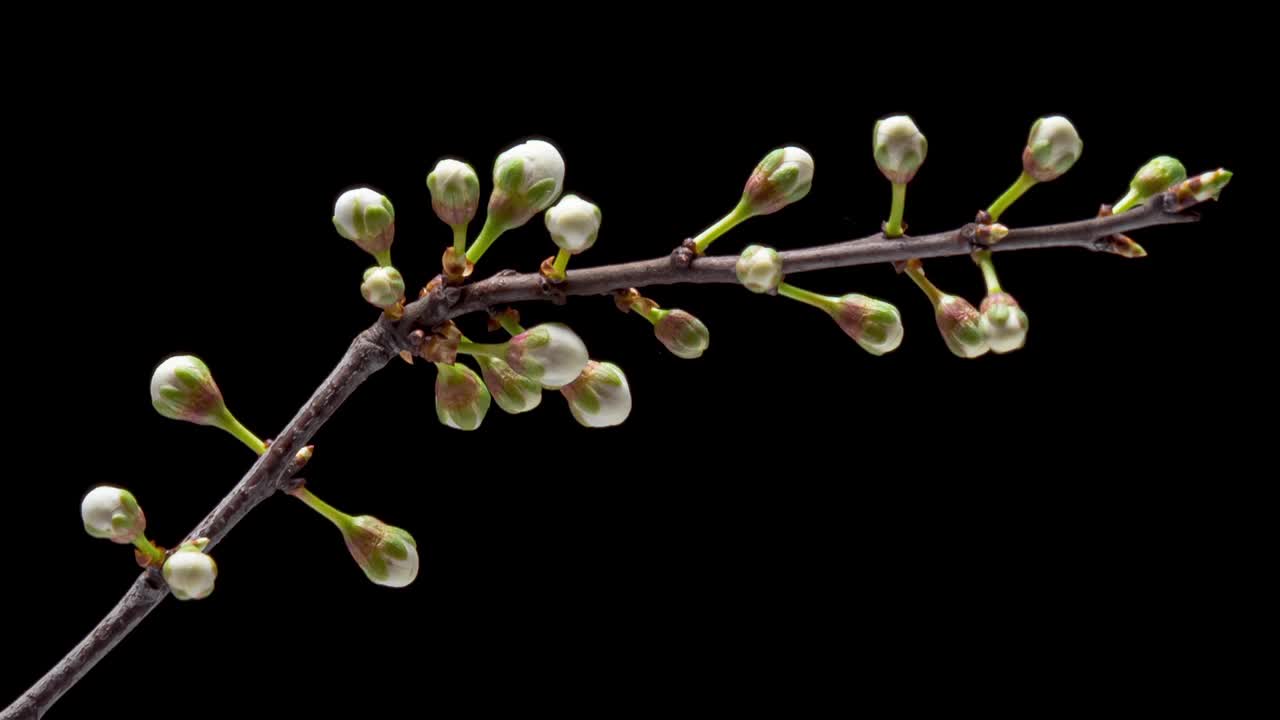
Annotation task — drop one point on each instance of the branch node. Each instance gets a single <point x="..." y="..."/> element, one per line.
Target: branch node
<point x="684" y="255"/>
<point x="552" y="291"/>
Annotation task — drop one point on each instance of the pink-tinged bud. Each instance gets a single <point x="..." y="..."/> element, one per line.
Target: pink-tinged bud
<point x="461" y="397"/>
<point x="366" y="218"/>
<point x="112" y="514"/>
<point x="1003" y="322"/>
<point x="874" y="324"/>
<point x="182" y="388"/>
<point x="455" y="192"/>
<point x="550" y="353"/>
<point x="387" y="555"/>
<point x="513" y="392"/>
<point x="683" y="334"/>
<point x="899" y="148"/>
<point x="382" y="287"/>
<point x="783" y="177"/>
<point x="600" y="397"/>
<point x="1052" y="148"/>
<point x="961" y="326"/>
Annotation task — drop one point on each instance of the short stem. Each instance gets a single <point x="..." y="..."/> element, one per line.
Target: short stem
<point x="242" y="433"/>
<point x="722" y="226"/>
<point x="509" y="324"/>
<point x="653" y="313"/>
<point x="821" y="302"/>
<point x="495" y="350"/>
<point x="459" y="238"/>
<point x="384" y="257"/>
<point x="562" y="261"/>
<point x="1024" y="183"/>
<point x="1127" y="202"/>
<point x="149" y="549"/>
<point x="983" y="258"/>
<point x="893" y="228"/>
<point x="916" y="272"/>
<point x="488" y="234"/>
<point x="335" y="516"/>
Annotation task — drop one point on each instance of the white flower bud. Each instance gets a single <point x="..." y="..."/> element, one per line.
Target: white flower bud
<point x="513" y="392"/>
<point x="899" y="148"/>
<point x="783" y="177"/>
<point x="874" y="324"/>
<point x="387" y="555"/>
<point x="461" y="397"/>
<point x="600" y="396"/>
<point x="112" y="514"/>
<point x="961" y="327"/>
<point x="366" y="218"/>
<point x="1052" y="148"/>
<point x="682" y="333"/>
<point x="759" y="269"/>
<point x="1003" y="322"/>
<point x="526" y="180"/>
<point x="573" y="224"/>
<point x="189" y="572"/>
<point x="383" y="287"/>
<point x="455" y="192"/>
<point x="182" y="388"/>
<point x="550" y="353"/>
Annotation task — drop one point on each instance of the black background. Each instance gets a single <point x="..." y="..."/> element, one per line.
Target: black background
<point x="783" y="524"/>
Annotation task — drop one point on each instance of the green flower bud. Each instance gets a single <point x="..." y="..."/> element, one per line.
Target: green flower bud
<point x="683" y="334"/>
<point x="550" y="353"/>
<point x="387" y="555"/>
<point x="961" y="326"/>
<point x="461" y="397"/>
<point x="600" y="396"/>
<point x="189" y="572"/>
<point x="899" y="148"/>
<point x="366" y="218"/>
<point x="513" y="392"/>
<point x="383" y="287"/>
<point x="112" y="514"/>
<point x="874" y="324"/>
<point x="455" y="191"/>
<point x="782" y="177"/>
<point x="526" y="180"/>
<point x="1158" y="175"/>
<point x="1052" y="148"/>
<point x="759" y="269"/>
<point x="1003" y="323"/>
<point x="182" y="388"/>
<point x="573" y="224"/>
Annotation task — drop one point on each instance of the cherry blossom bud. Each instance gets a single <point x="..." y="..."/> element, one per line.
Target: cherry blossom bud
<point x="1052" y="148"/>
<point x="190" y="572"/>
<point x="782" y="177"/>
<point x="600" y="396"/>
<point x="550" y="353"/>
<point x="182" y="388"/>
<point x="383" y="287"/>
<point x="461" y="397"/>
<point x="573" y="224"/>
<point x="899" y="148"/>
<point x="759" y="269"/>
<point x="1003" y="323"/>
<point x="513" y="392"/>
<point x="961" y="326"/>
<point x="874" y="324"/>
<point x="112" y="514"/>
<point x="366" y="218"/>
<point x="526" y="180"/>
<point x="387" y="555"/>
<point x="682" y="333"/>
<point x="455" y="192"/>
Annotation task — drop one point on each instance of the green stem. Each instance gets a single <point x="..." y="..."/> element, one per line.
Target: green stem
<point x="1024" y="183"/>
<point x="983" y="258"/>
<point x="562" y="261"/>
<point x="722" y="226"/>
<point x="384" y="257"/>
<point x="495" y="350"/>
<point x="488" y="234"/>
<point x="242" y="433"/>
<point x="149" y="549"/>
<point x="335" y="516"/>
<point x="821" y="302"/>
<point x="460" y="238"/>
<point x="916" y="272"/>
<point x="509" y="324"/>
<point x="653" y="314"/>
<point x="1127" y="202"/>
<point x="894" y="227"/>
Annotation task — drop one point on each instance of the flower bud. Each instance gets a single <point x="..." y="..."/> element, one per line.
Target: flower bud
<point x="550" y="353"/>
<point x="1052" y="148"/>
<point x="182" y="388"/>
<point x="190" y="572"/>
<point x="387" y="555"/>
<point x="1003" y="323"/>
<point x="683" y="334"/>
<point x="783" y="177"/>
<point x="874" y="324"/>
<point x="526" y="180"/>
<point x="759" y="269"/>
<point x="455" y="192"/>
<point x="1158" y="175"/>
<point x="366" y="218"/>
<point x="573" y="224"/>
<point x="461" y="397"/>
<point x="961" y="326"/>
<point x="383" y="287"/>
<point x="513" y="392"/>
<point x="112" y="514"/>
<point x="899" y="148"/>
<point x="600" y="397"/>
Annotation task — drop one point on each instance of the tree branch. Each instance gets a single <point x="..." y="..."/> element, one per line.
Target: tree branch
<point x="373" y="348"/>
